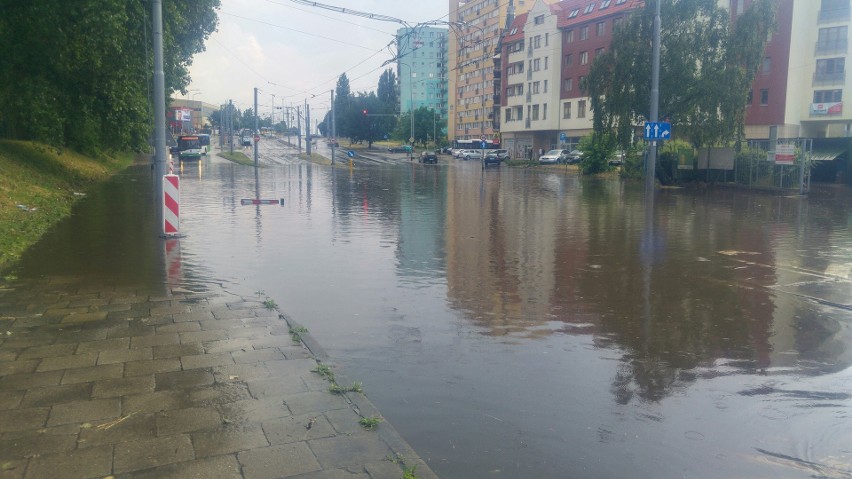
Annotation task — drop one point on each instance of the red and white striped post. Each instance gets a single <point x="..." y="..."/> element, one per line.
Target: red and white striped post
<point x="171" y="204"/>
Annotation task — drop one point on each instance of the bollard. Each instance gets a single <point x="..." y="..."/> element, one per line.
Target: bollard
<point x="171" y="205"/>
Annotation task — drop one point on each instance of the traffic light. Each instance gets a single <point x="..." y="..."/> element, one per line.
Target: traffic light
<point x="364" y="112"/>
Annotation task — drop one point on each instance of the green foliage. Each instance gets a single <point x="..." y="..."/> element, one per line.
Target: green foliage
<point x="296" y="333"/>
<point x="598" y="149"/>
<point x="706" y="70"/>
<point x="354" y="388"/>
<point x="370" y="423"/>
<point x="324" y="371"/>
<point x="78" y="74"/>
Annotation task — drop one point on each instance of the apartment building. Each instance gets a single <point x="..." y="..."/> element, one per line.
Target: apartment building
<point x="422" y="69"/>
<point x="546" y="55"/>
<point x="476" y="28"/>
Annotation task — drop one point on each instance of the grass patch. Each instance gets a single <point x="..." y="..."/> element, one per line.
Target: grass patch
<point x="317" y="158"/>
<point x="409" y="472"/>
<point x="296" y="333"/>
<point x="370" y="423"/>
<point x="237" y="157"/>
<point x="38" y="187"/>
<point x="270" y="304"/>
<point x="324" y="371"/>
<point x="354" y="388"/>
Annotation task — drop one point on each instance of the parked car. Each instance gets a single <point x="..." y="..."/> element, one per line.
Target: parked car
<point x="553" y="156"/>
<point x="457" y="152"/>
<point x="501" y="154"/>
<point x="429" y="157"/>
<point x="447" y="150"/>
<point x="617" y="159"/>
<point x="471" y="155"/>
<point x="400" y="149"/>
<point x="575" y="156"/>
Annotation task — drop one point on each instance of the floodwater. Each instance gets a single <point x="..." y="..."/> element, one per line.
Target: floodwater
<point x="529" y="324"/>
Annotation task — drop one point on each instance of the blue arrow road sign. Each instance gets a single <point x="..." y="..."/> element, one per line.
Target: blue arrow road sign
<point x="563" y="137"/>
<point x="658" y="130"/>
<point x="350" y="154"/>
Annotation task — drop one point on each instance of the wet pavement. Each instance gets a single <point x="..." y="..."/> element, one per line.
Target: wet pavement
<point x="107" y="369"/>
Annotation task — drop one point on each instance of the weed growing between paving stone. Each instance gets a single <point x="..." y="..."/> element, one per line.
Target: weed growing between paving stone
<point x="354" y="388"/>
<point x="370" y="423"/>
<point x="270" y="304"/>
<point x="407" y="472"/>
<point x="296" y="333"/>
<point x="324" y="371"/>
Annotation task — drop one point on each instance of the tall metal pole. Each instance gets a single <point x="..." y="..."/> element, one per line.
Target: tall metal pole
<point x="159" y="109"/>
<point x="256" y="130"/>
<point x="650" y="167"/>
<point x="231" y="125"/>
<point x="333" y="129"/>
<point x="299" y="126"/>
<point x="307" y="128"/>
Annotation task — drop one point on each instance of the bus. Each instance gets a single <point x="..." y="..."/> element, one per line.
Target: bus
<point x="189" y="148"/>
<point x="204" y="139"/>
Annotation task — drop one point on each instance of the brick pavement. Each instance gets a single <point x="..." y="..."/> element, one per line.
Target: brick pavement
<point x="119" y="382"/>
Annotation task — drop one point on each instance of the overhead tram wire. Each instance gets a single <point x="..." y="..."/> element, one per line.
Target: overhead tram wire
<point x="328" y="17"/>
<point x="297" y="31"/>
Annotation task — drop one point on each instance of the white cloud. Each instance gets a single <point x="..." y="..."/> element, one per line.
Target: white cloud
<point x="294" y="51"/>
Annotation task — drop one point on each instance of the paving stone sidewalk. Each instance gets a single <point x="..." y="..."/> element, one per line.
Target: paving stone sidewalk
<point x="124" y="383"/>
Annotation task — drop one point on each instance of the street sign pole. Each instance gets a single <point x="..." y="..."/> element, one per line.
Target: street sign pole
<point x="651" y="161"/>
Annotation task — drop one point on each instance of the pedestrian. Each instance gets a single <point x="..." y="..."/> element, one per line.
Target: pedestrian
<point x="540" y="151"/>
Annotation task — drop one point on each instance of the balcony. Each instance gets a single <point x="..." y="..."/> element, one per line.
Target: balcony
<point x="829" y="78"/>
<point x="834" y="15"/>
<point x="832" y="47"/>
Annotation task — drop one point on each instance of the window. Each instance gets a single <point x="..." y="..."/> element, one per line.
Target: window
<point x="569" y="36"/>
<point x="600" y="29"/>
<point x="544" y="112"/>
<point x="535" y="112"/>
<point x="581" y="109"/>
<point x="535" y="87"/>
<point x="569" y="59"/>
<point x="589" y="9"/>
<point x="828" y="96"/>
<point x="537" y="43"/>
<point x="566" y="110"/>
<point x="546" y="39"/>
<point x="569" y="84"/>
<point x="831" y="65"/>
<point x="536" y="64"/>
<point x="604" y="4"/>
<point x="832" y="39"/>
<point x="599" y="52"/>
<point x="767" y="65"/>
<point x="584" y="33"/>
<point x="584" y="58"/>
<point x="616" y="22"/>
<point x="545" y="62"/>
<point x="539" y="20"/>
<point x="750" y="97"/>
<point x="764" y="96"/>
<point x="545" y="86"/>
<point x="508" y="115"/>
<point x="574" y="13"/>
<point x="581" y="81"/>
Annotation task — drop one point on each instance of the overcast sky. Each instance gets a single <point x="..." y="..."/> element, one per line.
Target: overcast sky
<point x="294" y="50"/>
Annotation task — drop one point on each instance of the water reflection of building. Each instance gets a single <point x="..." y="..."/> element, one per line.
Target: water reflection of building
<point x="528" y="255"/>
<point x="422" y="216"/>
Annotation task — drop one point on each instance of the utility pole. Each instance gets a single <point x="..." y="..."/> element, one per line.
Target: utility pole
<point x="299" y="126"/>
<point x="256" y="130"/>
<point x="333" y="129"/>
<point x="231" y="125"/>
<point x="159" y="108"/>
<point x="307" y="128"/>
<point x="650" y="167"/>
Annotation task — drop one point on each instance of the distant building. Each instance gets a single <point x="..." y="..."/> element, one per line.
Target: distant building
<point x="189" y="116"/>
<point x="422" y="69"/>
<point x="477" y="26"/>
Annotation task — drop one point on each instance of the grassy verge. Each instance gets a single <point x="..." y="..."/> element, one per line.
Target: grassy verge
<point x="237" y="157"/>
<point x="39" y="186"/>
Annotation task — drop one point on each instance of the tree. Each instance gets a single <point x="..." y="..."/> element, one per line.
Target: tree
<point x="342" y="102"/>
<point x="78" y="74"/>
<point x="706" y="70"/>
<point x="387" y="92"/>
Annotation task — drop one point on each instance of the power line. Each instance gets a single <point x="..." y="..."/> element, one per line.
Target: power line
<point x="297" y="31"/>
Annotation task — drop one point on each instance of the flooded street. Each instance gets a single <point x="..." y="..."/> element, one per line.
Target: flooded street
<point x="528" y="324"/>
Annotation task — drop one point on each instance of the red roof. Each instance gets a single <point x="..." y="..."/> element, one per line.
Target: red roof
<point x="518" y="29"/>
<point x="568" y="6"/>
